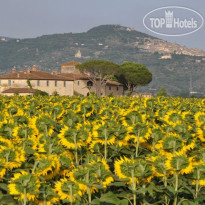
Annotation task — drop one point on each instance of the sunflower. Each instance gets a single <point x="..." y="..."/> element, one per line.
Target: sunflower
<point x="85" y="108"/>
<point x="133" y="170"/>
<point x="79" y="176"/>
<point x="100" y="172"/>
<point x="199" y="118"/>
<point x="5" y="143"/>
<point x="47" y="167"/>
<point x="173" y="117"/>
<point x="131" y="117"/>
<point x="180" y="164"/>
<point x="171" y="143"/>
<point x="66" y="160"/>
<point x="69" y="138"/>
<point x="2" y="170"/>
<point x="68" y="190"/>
<point x="12" y="157"/>
<point x="104" y="133"/>
<point x="200" y="133"/>
<point x="24" y="183"/>
<point x="199" y="173"/>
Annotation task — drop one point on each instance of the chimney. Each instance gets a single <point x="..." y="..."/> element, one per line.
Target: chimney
<point x="13" y="70"/>
<point x="34" y="68"/>
<point x="29" y="70"/>
<point x="55" y="72"/>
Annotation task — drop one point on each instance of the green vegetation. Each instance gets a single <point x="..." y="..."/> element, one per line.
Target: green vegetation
<point x="117" y="44"/>
<point x="133" y="75"/>
<point x="40" y="93"/>
<point x="161" y="92"/>
<point x="99" y="71"/>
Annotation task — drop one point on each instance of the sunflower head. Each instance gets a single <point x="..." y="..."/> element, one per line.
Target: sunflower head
<point x="68" y="190"/>
<point x="180" y="164"/>
<point x="24" y="181"/>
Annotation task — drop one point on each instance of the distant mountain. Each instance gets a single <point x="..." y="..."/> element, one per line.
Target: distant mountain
<point x="177" y="68"/>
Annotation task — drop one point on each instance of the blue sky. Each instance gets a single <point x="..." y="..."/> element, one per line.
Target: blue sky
<point x="32" y="18"/>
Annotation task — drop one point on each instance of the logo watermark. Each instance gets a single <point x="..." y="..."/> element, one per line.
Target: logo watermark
<point x="173" y="21"/>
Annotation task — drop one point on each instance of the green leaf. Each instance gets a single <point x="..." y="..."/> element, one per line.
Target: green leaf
<point x="99" y="186"/>
<point x="96" y="201"/>
<point x="124" y="202"/>
<point x="117" y="184"/>
<point x="124" y="180"/>
<point x="1" y="195"/>
<point x="3" y="187"/>
<point x="7" y="200"/>
<point x="110" y="198"/>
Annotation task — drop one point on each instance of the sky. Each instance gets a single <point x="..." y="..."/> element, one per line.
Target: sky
<point x="33" y="18"/>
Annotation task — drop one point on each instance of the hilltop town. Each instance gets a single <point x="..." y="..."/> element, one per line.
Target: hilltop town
<point x="164" y="47"/>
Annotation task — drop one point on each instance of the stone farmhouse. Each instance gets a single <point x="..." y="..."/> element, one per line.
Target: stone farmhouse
<point x="67" y="82"/>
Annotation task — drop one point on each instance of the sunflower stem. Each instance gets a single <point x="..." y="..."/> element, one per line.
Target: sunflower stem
<point x="44" y="199"/>
<point x="176" y="188"/>
<point x="105" y="148"/>
<point x="176" y="183"/>
<point x="89" y="196"/>
<point x="71" y="194"/>
<point x="84" y="115"/>
<point x="34" y="166"/>
<point x="134" y="188"/>
<point x="25" y="197"/>
<point x="165" y="184"/>
<point x="24" y="142"/>
<point x="88" y="189"/>
<point x="76" y="149"/>
<point x="137" y="146"/>
<point x="197" y="183"/>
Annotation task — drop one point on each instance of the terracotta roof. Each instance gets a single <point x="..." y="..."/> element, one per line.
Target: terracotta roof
<point x="19" y="90"/>
<point x="71" y="63"/>
<point x="86" y="77"/>
<point x="74" y="76"/>
<point x="34" y="75"/>
<point x="110" y="82"/>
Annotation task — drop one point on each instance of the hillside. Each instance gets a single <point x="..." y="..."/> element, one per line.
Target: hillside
<point x="171" y="64"/>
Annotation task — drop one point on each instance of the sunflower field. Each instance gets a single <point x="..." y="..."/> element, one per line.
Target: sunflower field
<point x="102" y="150"/>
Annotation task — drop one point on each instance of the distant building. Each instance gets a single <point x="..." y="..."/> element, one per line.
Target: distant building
<point x="48" y="82"/>
<point x="83" y="84"/>
<point x="70" y="67"/>
<point x="166" y="57"/>
<point x="68" y="82"/>
<point x="78" y="54"/>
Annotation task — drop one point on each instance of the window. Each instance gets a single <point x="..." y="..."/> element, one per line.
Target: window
<point x="56" y="83"/>
<point x="89" y="83"/>
<point x="110" y="88"/>
<point x="117" y="88"/>
<point x="47" y="82"/>
<point x="78" y="82"/>
<point x="9" y="82"/>
<point x="64" y="83"/>
<point x="38" y="82"/>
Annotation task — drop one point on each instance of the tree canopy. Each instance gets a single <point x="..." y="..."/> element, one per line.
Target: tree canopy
<point x="162" y="92"/>
<point x="99" y="68"/>
<point x="134" y="74"/>
<point x="99" y="71"/>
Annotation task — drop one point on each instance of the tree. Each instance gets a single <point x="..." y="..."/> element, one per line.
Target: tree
<point x="161" y="92"/>
<point x="98" y="71"/>
<point x="133" y="75"/>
